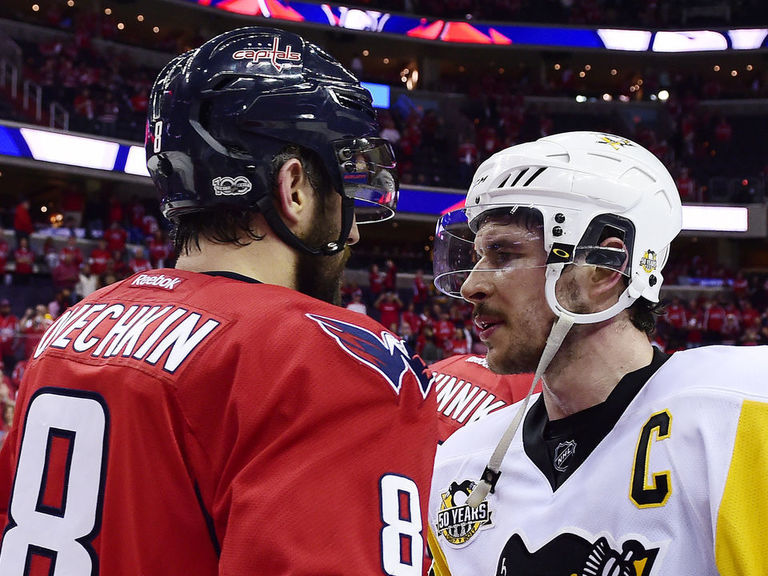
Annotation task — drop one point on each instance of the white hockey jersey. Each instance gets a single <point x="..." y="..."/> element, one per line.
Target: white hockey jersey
<point x="668" y="477"/>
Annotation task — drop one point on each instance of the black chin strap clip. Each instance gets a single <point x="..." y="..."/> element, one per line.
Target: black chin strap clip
<point x="491" y="478"/>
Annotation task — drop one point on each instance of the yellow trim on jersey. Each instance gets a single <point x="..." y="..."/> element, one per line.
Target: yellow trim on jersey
<point x="742" y="521"/>
<point x="439" y="563"/>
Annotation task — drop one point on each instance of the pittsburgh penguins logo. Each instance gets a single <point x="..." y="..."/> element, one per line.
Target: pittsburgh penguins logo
<point x="648" y="261"/>
<point x="572" y="555"/>
<point x="614" y="143"/>
<point x="456" y="521"/>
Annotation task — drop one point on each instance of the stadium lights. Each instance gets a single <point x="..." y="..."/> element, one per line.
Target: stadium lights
<point x="716" y="218"/>
<point x="690" y="41"/>
<point x="70" y="150"/>
<point x="747" y="39"/>
<point x="471" y="32"/>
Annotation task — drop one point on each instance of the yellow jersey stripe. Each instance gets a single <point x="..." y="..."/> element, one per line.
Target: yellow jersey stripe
<point x="439" y="563"/>
<point x="742" y="520"/>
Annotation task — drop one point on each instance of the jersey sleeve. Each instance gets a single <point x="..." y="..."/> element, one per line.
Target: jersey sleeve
<point x="742" y="519"/>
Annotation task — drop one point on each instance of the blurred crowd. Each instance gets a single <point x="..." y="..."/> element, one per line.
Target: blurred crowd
<point x="105" y="91"/>
<point x="708" y="303"/>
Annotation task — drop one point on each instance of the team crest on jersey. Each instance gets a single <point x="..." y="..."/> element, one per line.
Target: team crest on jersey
<point x="569" y="554"/>
<point x="458" y="522"/>
<point x="648" y="261"/>
<point x="387" y="354"/>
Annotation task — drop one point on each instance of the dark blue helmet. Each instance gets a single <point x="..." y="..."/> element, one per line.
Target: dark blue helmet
<point x="220" y="113"/>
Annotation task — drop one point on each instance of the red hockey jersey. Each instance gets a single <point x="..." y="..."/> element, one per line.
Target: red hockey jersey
<point x="178" y="423"/>
<point x="467" y="390"/>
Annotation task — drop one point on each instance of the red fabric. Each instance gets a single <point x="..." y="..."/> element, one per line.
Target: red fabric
<point x="22" y="221"/>
<point x="159" y="252"/>
<point x="714" y="317"/>
<point x="5" y="252"/>
<point x="98" y="260"/>
<point x="467" y="391"/>
<point x="25" y="259"/>
<point x="115" y="238"/>
<point x="139" y="265"/>
<point x="264" y="437"/>
<point x="420" y="290"/>
<point x="413" y="320"/>
<point x="444" y="330"/>
<point x="74" y="252"/>
<point x="676" y="316"/>
<point x="390" y="313"/>
<point x="9" y="326"/>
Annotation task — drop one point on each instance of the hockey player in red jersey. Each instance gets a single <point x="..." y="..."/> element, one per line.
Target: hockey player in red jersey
<point x="225" y="417"/>
<point x="468" y="390"/>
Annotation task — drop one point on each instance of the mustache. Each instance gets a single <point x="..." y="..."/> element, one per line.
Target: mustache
<point x="483" y="309"/>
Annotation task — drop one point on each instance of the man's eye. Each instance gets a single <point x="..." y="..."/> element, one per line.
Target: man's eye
<point x="498" y="254"/>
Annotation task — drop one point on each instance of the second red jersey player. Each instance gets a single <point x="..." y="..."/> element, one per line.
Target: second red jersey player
<point x="467" y="390"/>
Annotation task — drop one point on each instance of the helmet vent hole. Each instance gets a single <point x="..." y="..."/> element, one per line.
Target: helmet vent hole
<point x="355" y="103"/>
<point x="517" y="178"/>
<point x="520" y="175"/>
<point x="535" y="175"/>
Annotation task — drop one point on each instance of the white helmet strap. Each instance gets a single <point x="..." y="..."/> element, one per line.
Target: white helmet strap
<point x="553" y="275"/>
<point x="487" y="483"/>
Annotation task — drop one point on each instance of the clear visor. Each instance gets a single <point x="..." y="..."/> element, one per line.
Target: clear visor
<point x="368" y="171"/>
<point x="503" y="239"/>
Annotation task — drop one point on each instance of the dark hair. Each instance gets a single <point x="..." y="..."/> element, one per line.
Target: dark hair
<point x="528" y="218"/>
<point x="233" y="225"/>
<point x="643" y="314"/>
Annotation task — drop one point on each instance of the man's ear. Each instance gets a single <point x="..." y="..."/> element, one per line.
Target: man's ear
<point x="293" y="193"/>
<point x="604" y="281"/>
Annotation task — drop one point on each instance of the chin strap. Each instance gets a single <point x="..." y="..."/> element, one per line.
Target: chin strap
<point x="267" y="208"/>
<point x="492" y="472"/>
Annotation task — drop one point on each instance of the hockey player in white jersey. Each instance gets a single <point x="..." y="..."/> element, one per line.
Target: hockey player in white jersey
<point x="629" y="462"/>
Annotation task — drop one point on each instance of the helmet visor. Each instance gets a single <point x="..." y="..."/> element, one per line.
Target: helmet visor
<point x="368" y="170"/>
<point x="500" y="240"/>
<point x="503" y="238"/>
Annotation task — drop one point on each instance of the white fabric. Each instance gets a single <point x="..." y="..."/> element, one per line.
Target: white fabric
<point x="702" y="390"/>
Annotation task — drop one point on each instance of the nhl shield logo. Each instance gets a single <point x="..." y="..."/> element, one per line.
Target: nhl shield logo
<point x="458" y="522"/>
<point x="563" y="454"/>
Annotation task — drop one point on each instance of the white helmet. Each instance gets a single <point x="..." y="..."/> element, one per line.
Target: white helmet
<point x="581" y="183"/>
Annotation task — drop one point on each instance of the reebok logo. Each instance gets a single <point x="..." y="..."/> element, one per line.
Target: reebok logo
<point x="157" y="281"/>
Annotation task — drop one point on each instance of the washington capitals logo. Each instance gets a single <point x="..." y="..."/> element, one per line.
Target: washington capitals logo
<point x="274" y="55"/>
<point x="386" y="354"/>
